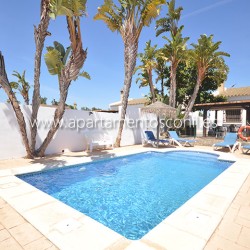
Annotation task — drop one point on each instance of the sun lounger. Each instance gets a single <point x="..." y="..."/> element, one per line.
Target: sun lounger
<point x="245" y="148"/>
<point x="150" y="139"/>
<point x="230" y="141"/>
<point x="180" y="141"/>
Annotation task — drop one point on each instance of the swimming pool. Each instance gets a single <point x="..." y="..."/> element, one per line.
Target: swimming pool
<point x="131" y="194"/>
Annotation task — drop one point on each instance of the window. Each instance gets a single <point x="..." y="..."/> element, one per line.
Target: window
<point x="233" y="116"/>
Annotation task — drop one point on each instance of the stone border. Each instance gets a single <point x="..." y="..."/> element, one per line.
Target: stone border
<point x="189" y="227"/>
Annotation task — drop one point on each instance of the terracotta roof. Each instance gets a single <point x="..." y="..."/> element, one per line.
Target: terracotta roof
<point x="131" y="102"/>
<point x="244" y="91"/>
<point x="104" y="111"/>
<point x="223" y="105"/>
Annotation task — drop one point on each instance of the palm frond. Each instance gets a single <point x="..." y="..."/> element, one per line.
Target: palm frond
<point x="68" y="8"/>
<point x="66" y="56"/>
<point x="111" y="15"/>
<point x="58" y="46"/>
<point x="53" y="60"/>
<point x="169" y="23"/>
<point x="85" y="75"/>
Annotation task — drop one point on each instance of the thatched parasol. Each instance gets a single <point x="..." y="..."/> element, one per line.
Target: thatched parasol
<point x="160" y="109"/>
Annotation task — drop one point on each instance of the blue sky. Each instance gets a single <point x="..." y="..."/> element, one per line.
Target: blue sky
<point x="228" y="20"/>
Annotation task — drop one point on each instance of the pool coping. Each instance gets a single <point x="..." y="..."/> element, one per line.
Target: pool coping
<point x="193" y="223"/>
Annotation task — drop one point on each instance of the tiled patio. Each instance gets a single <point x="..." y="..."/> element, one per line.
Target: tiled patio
<point x="16" y="233"/>
<point x="233" y="233"/>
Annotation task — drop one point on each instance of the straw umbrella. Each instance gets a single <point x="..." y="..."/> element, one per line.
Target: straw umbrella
<point x="160" y="109"/>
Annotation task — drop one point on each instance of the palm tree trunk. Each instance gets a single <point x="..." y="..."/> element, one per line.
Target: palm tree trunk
<point x="172" y="99"/>
<point x="162" y="87"/>
<point x="69" y="72"/>
<point x="151" y="85"/>
<point x="4" y="82"/>
<point x="130" y="55"/>
<point x="154" y="100"/>
<point x="200" y="78"/>
<point x="40" y="34"/>
<point x="170" y="92"/>
<point x="59" y="112"/>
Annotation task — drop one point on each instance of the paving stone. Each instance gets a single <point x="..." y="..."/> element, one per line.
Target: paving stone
<point x="10" y="244"/>
<point x="25" y="233"/>
<point x="242" y="199"/>
<point x="245" y="187"/>
<point x="10" y="218"/>
<point x="40" y="244"/>
<point x="235" y="206"/>
<point x="52" y="248"/>
<point x="244" y="238"/>
<point x="2" y="203"/>
<point x="229" y="230"/>
<point x="120" y="244"/>
<point x="233" y="233"/>
<point x="16" y="232"/>
<point x="242" y="221"/>
<point x="231" y="214"/>
<point x="219" y="243"/>
<point x="244" y="212"/>
<point x="4" y="234"/>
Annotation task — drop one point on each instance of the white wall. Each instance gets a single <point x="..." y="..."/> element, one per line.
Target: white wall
<point x="220" y="117"/>
<point x="11" y="143"/>
<point x="10" y="140"/>
<point x="118" y="107"/>
<point x="131" y="136"/>
<point x="244" y="117"/>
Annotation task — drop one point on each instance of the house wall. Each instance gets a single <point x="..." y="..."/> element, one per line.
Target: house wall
<point x="114" y="107"/>
<point x="211" y="117"/>
<point x="220" y="118"/>
<point x="66" y="137"/>
<point x="117" y="108"/>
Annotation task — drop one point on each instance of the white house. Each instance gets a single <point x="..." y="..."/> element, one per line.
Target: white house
<point x="132" y="103"/>
<point x="231" y="114"/>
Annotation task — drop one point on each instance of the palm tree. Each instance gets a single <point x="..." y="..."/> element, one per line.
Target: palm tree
<point x="149" y="63"/>
<point x="205" y="55"/>
<point x="73" y="9"/>
<point x="65" y="63"/>
<point x="175" y="52"/>
<point x="128" y="18"/>
<point x="6" y="85"/>
<point x="40" y="33"/>
<point x="22" y="86"/>
<point x="175" y="49"/>
<point x="169" y="23"/>
<point x="50" y="9"/>
<point x="162" y="72"/>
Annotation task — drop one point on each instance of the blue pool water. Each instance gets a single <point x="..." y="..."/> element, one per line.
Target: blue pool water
<point x="131" y="194"/>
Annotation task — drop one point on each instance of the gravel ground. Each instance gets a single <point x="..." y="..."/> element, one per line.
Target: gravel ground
<point x="207" y="141"/>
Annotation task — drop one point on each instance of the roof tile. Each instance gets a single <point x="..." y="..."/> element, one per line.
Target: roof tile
<point x="132" y="102"/>
<point x="244" y="91"/>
